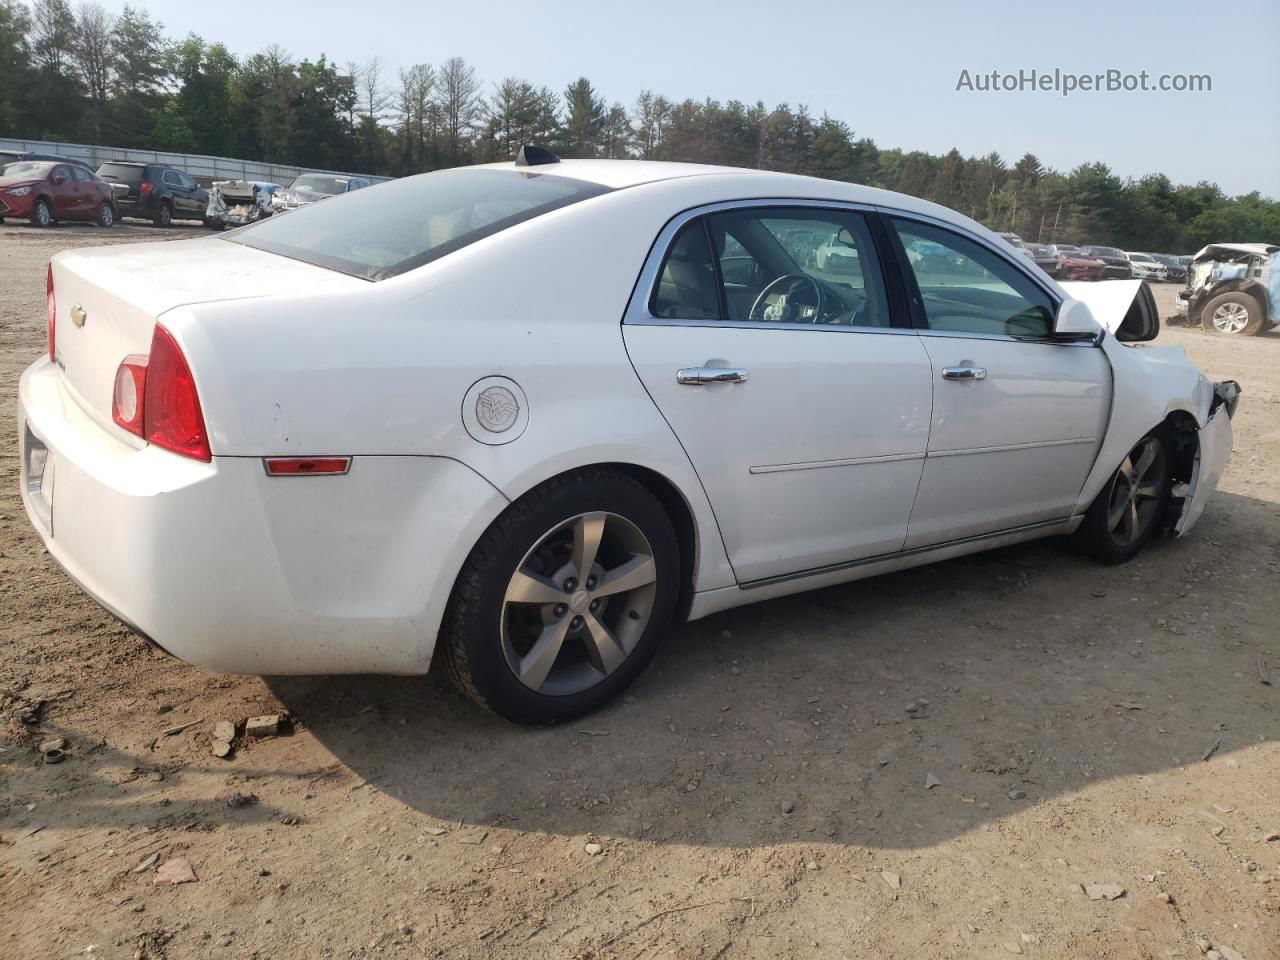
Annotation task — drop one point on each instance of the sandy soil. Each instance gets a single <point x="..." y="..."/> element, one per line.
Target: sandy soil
<point x="761" y="793"/>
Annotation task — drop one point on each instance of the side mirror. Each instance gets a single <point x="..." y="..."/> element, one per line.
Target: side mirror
<point x="1075" y="322"/>
<point x="1142" y="321"/>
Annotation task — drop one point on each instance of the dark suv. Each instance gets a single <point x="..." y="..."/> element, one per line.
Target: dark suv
<point x="155" y="191"/>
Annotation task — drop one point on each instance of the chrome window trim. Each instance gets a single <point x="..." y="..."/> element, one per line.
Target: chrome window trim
<point x="638" y="307"/>
<point x="638" y="313"/>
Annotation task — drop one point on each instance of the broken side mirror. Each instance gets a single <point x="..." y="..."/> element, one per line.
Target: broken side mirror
<point x="1142" y="319"/>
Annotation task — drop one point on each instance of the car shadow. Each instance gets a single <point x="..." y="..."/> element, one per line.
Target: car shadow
<point x="1009" y="677"/>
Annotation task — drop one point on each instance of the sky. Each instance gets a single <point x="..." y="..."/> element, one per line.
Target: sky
<point x="888" y="69"/>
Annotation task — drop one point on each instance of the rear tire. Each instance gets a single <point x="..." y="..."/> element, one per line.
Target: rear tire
<point x="41" y="215"/>
<point x="542" y="629"/>
<point x="106" y="215"/>
<point x="1128" y="511"/>
<point x="1232" y="314"/>
<point x="164" y="215"/>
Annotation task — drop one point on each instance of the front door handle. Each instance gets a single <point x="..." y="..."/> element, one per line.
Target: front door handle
<point x="696" y="376"/>
<point x="965" y="371"/>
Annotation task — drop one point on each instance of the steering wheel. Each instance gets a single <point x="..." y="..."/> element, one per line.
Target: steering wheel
<point x="793" y="282"/>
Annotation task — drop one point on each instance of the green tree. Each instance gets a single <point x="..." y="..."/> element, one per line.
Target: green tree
<point x="17" y="79"/>
<point x="584" y="120"/>
<point x="136" y="90"/>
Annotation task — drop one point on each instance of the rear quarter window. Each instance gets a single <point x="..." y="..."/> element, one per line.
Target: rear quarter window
<point x="406" y="223"/>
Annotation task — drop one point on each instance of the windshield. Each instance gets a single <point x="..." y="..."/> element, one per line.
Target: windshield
<point x="403" y="224"/>
<point x="1106" y="251"/>
<point x="35" y="169"/>
<point x="317" y="183"/>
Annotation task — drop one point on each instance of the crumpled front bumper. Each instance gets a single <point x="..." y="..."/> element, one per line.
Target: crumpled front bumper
<point x="1211" y="455"/>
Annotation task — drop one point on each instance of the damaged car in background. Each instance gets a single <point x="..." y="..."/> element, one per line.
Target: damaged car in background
<point x="313" y="187"/>
<point x="584" y="400"/>
<point x="233" y="203"/>
<point x="1232" y="288"/>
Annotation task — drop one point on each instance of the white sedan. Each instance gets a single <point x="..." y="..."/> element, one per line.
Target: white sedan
<point x="526" y="415"/>
<point x="1147" y="267"/>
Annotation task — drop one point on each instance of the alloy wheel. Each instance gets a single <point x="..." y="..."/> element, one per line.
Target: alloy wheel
<point x="578" y="603"/>
<point x="1230" y="317"/>
<point x="1136" y="491"/>
<point x="42" y="213"/>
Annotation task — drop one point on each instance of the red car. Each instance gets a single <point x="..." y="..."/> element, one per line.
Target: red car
<point x="44" y="191"/>
<point x="1073" y="264"/>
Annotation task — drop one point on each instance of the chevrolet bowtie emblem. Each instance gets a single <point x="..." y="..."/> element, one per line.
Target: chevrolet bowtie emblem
<point x="78" y="316"/>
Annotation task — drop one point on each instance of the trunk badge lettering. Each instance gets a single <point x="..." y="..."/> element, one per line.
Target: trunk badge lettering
<point x="78" y="315"/>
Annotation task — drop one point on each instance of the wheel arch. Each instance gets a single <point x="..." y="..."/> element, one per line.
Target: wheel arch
<point x="680" y="512"/>
<point x="674" y="502"/>
<point x="1183" y="435"/>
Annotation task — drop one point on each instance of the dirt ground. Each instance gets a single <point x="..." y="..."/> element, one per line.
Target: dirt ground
<point x="763" y="792"/>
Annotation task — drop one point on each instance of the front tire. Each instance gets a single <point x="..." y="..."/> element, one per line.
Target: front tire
<point x="564" y="600"/>
<point x="1232" y="314"/>
<point x="1127" y="512"/>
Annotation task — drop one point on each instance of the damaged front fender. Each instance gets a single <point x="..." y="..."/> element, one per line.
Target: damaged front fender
<point x="1213" y="449"/>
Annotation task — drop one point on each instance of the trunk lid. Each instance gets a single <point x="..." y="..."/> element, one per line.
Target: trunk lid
<point x="109" y="300"/>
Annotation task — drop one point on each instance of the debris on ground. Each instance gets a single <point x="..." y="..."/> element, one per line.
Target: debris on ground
<point x="931" y="781"/>
<point x="174" y="731"/>
<point x="1213" y="748"/>
<point x="1264" y="673"/>
<point x="264" y="726"/>
<point x="892" y="879"/>
<point x="147" y="864"/>
<point x="238" y="800"/>
<point x="174" y="872"/>
<point x="1104" y="891"/>
<point x="593" y="849"/>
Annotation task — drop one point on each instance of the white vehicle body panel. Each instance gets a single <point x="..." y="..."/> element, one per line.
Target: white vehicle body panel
<point x="813" y="463"/>
<point x="797" y="481"/>
<point x="1014" y="448"/>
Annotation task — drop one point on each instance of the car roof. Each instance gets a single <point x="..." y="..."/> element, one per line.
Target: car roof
<point x="619" y="174"/>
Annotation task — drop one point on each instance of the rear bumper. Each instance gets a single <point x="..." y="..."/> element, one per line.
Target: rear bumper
<point x="232" y="570"/>
<point x="135" y="207"/>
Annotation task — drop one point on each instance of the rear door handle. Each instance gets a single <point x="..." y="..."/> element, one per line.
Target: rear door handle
<point x="696" y="376"/>
<point x="964" y="372"/>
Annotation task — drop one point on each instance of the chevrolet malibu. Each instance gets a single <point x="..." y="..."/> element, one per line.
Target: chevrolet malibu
<point x="524" y="416"/>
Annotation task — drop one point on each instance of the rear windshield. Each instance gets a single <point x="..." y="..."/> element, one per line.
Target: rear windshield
<point x="120" y="172"/>
<point x="394" y="227"/>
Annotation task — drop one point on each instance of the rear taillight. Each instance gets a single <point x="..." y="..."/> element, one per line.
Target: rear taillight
<point x="155" y="398"/>
<point x="145" y="188"/>
<point x="52" y="306"/>
<point x="171" y="407"/>
<point x="130" y="389"/>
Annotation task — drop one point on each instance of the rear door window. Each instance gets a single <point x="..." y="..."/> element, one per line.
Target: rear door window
<point x="803" y="265"/>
